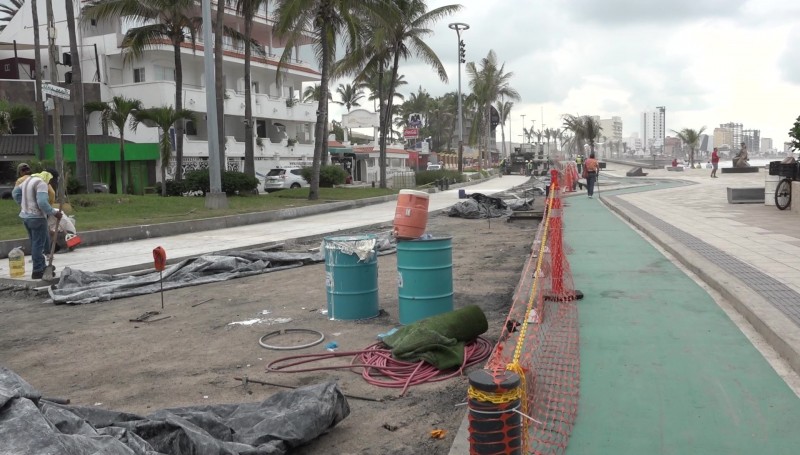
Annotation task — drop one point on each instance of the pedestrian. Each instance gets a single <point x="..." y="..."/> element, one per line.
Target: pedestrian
<point x="23" y="172"/>
<point x="579" y="162"/>
<point x="714" y="163"/>
<point x="592" y="170"/>
<point x="674" y="162"/>
<point x="33" y="199"/>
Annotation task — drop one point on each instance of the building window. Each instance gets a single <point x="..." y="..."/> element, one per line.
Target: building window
<point x="138" y="75"/>
<point x="163" y="73"/>
<point x="7" y="67"/>
<point x="256" y="87"/>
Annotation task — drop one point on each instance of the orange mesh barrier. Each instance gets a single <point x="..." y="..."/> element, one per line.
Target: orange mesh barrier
<point x="540" y="343"/>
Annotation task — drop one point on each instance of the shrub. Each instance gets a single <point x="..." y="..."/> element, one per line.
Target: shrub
<point x="73" y="186"/>
<point x="175" y="188"/>
<point x="328" y="175"/>
<point x="233" y="183"/>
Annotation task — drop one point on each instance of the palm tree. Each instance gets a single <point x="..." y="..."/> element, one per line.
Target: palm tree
<point x="370" y="82"/>
<point x="248" y="9"/>
<point x="161" y="19"/>
<point x="82" y="169"/>
<point x="11" y="112"/>
<point x="312" y="93"/>
<point x="504" y="109"/>
<point x="9" y="11"/>
<point x="116" y="113"/>
<point x="327" y="20"/>
<point x="691" y="138"/>
<point x="488" y="84"/>
<point x="162" y="117"/>
<point x="585" y="129"/>
<point x="350" y="95"/>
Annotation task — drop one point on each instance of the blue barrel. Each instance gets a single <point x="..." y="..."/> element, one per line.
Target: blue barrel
<point x="351" y="276"/>
<point x="424" y="277"/>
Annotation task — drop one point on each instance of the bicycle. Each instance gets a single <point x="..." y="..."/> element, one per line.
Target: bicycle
<point x="783" y="192"/>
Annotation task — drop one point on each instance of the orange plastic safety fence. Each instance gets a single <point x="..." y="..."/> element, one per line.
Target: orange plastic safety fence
<point x="540" y="339"/>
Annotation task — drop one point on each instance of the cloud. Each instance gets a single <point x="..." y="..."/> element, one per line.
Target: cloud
<point x="639" y="12"/>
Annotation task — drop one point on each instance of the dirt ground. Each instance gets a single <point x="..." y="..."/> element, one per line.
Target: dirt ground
<point x="94" y="356"/>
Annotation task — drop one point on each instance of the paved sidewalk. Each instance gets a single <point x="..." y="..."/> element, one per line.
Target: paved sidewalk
<point x="137" y="255"/>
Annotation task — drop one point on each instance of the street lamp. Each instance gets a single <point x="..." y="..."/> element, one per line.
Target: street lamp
<point x="458" y="27"/>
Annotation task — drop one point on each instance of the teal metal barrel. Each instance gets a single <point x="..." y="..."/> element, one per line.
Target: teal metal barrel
<point x="351" y="276"/>
<point x="424" y="277"/>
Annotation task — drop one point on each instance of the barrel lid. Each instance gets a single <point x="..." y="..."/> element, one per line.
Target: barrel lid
<point x="415" y="193"/>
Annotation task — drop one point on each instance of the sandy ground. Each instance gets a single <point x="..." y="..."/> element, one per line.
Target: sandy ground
<point x="93" y="355"/>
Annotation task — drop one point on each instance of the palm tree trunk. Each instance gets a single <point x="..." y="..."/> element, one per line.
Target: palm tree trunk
<point x="176" y="49"/>
<point x="249" y="152"/>
<point x="381" y="128"/>
<point x="82" y="172"/>
<point x="219" y="83"/>
<point x="388" y="113"/>
<point x="42" y="127"/>
<point x="122" y="165"/>
<point x="322" y="107"/>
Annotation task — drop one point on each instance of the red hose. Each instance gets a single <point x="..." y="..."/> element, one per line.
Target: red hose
<point x="381" y="369"/>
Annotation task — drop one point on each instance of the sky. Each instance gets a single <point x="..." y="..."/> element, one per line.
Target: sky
<point x="708" y="61"/>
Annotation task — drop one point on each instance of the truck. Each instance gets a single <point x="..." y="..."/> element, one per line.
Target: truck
<point x="518" y="160"/>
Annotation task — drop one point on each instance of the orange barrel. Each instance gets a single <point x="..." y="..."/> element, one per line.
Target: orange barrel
<point x="411" y="215"/>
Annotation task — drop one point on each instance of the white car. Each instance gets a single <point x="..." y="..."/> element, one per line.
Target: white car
<point x="283" y="178"/>
<point x="434" y="167"/>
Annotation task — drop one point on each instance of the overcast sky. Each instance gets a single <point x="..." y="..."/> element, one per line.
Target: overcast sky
<point x="708" y="61"/>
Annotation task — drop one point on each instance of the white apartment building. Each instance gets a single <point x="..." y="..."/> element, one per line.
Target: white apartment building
<point x="654" y="129"/>
<point x="284" y="124"/>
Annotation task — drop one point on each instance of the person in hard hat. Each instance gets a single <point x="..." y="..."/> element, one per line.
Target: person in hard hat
<point x="579" y="163"/>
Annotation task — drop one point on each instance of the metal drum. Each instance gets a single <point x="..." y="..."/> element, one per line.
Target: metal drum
<point x="424" y="277"/>
<point x="351" y="277"/>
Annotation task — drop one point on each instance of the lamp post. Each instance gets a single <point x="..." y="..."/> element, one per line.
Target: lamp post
<point x="458" y="27"/>
<point x="216" y="198"/>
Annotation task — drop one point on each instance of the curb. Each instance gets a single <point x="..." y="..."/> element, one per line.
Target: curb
<point x="782" y="334"/>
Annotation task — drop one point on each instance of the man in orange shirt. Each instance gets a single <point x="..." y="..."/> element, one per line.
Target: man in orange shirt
<point x="592" y="168"/>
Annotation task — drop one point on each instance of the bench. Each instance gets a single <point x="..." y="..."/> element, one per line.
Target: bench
<point x="751" y="195"/>
<point x="675" y="168"/>
<point x="739" y="170"/>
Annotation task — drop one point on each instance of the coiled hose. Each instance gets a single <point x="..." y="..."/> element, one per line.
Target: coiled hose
<point x="379" y="368"/>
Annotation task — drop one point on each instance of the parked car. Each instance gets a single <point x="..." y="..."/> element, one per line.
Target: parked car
<point x="283" y="178"/>
<point x="434" y="167"/>
<point x="100" y="187"/>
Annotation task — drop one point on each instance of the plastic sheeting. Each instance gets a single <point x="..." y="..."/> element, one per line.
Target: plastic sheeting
<point x="77" y="287"/>
<point x="32" y="425"/>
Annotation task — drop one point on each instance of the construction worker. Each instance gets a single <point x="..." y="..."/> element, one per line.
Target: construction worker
<point x="579" y="162"/>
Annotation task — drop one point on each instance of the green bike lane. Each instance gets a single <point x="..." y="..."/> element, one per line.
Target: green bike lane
<point x="663" y="368"/>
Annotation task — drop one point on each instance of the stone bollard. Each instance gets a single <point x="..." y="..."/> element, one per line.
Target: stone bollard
<point x="495" y="426"/>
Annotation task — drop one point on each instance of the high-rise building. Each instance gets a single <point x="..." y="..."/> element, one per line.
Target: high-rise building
<point x="654" y="128"/>
<point x="766" y="145"/>
<point x="753" y="140"/>
<point x="736" y="134"/>
<point x="723" y="139"/>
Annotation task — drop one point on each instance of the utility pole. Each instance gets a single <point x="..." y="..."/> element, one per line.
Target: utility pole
<point x="57" y="150"/>
<point x="215" y="199"/>
<point x="523" y="132"/>
<point x="82" y="169"/>
<point x="458" y="27"/>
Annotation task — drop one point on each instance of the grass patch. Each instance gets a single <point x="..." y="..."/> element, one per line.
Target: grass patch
<point x="105" y="211"/>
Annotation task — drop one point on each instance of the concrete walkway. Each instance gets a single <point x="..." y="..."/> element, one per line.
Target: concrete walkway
<point x="137" y="255"/>
<point x="663" y="369"/>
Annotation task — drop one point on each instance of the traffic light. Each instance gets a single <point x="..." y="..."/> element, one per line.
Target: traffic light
<point x="66" y="59"/>
<point x="462" y="54"/>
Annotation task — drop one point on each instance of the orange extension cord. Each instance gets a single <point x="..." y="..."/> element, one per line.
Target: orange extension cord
<point x="381" y="369"/>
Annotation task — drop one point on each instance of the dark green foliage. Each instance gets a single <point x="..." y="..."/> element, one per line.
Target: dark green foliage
<point x="794" y="133"/>
<point x="328" y="175"/>
<point x="233" y="183"/>
<point x="426" y="177"/>
<point x="73" y="185"/>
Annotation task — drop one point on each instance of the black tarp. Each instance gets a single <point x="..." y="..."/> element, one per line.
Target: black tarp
<point x="32" y="425"/>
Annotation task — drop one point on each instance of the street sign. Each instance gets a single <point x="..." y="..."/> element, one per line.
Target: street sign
<point x="410" y="133"/>
<point x="54" y="90"/>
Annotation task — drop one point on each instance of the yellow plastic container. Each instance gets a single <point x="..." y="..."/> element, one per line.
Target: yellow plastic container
<point x="16" y="263"/>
